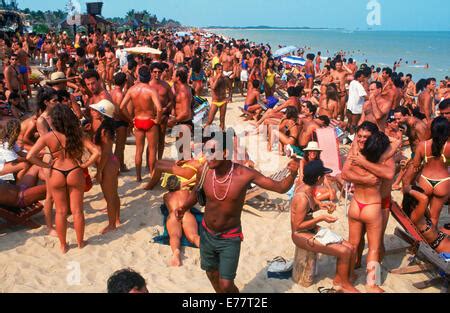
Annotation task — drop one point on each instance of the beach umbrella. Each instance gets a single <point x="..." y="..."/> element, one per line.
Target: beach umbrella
<point x="294" y="60"/>
<point x="182" y="34"/>
<point x="284" y="51"/>
<point x="143" y="50"/>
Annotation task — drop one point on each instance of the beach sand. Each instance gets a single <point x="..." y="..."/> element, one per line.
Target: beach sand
<point x="32" y="262"/>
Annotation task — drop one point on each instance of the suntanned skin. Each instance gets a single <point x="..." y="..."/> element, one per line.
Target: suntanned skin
<point x="145" y="104"/>
<point x="340" y="78"/>
<point x="117" y="96"/>
<point x="376" y="109"/>
<point x="167" y="100"/>
<point x="219" y="94"/>
<point x="97" y="92"/>
<point x="426" y="101"/>
<point x="226" y="59"/>
<point x="12" y="77"/>
<point x="309" y="69"/>
<point x="224" y="215"/>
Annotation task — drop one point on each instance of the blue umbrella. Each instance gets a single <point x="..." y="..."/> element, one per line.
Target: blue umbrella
<point x="284" y="51"/>
<point x="294" y="60"/>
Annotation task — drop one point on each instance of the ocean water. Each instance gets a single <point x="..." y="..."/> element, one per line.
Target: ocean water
<point x="380" y="48"/>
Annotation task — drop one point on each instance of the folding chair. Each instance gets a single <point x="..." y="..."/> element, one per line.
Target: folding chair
<point x="20" y="216"/>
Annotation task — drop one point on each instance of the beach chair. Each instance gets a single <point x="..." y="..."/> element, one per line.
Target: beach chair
<point x="328" y="142"/>
<point x="20" y="216"/>
<point x="419" y="247"/>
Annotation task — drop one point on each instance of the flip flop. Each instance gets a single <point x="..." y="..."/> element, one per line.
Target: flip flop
<point x="326" y="290"/>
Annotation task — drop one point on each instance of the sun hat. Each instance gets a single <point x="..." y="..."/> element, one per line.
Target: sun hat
<point x="312" y="146"/>
<point x="104" y="107"/>
<point x="56" y="78"/>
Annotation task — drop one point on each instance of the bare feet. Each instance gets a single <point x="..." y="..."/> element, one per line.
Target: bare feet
<point x="118" y="223"/>
<point x="124" y="169"/>
<point x="176" y="259"/>
<point x="374" y="289"/>
<point x="82" y="244"/>
<point x="64" y="248"/>
<point x="108" y="228"/>
<point x="52" y="232"/>
<point x="149" y="186"/>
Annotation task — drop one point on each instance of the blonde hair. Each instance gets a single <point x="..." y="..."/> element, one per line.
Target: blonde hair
<point x="11" y="132"/>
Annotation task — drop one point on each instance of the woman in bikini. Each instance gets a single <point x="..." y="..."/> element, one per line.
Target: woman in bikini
<point x="47" y="99"/>
<point x="110" y="65"/>
<point x="433" y="156"/>
<point x="415" y="205"/>
<point x="66" y="180"/>
<point x="101" y="64"/>
<point x="365" y="209"/>
<point x="330" y="103"/>
<point x="270" y="78"/>
<point x="288" y="131"/>
<point x="305" y="226"/>
<point x="108" y="167"/>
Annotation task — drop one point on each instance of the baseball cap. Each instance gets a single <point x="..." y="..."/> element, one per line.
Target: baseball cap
<point x="104" y="107"/>
<point x="316" y="169"/>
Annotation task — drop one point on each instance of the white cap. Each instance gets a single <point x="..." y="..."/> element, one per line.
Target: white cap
<point x="104" y="107"/>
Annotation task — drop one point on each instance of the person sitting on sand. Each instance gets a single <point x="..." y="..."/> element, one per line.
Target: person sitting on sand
<point x="287" y="132"/>
<point x="305" y="226"/>
<point x="126" y="281"/>
<point x="252" y="106"/>
<point x="415" y="205"/>
<point x="66" y="181"/>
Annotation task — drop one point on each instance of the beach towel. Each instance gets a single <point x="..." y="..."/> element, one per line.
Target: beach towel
<point x="164" y="238"/>
<point x="326" y="137"/>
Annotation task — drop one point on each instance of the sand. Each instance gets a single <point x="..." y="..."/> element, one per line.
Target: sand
<point x="32" y="262"/>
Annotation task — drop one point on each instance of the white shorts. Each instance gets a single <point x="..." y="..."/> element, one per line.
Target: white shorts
<point x="244" y="76"/>
<point x="228" y="74"/>
<point x="355" y="109"/>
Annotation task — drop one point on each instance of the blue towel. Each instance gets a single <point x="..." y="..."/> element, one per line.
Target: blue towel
<point x="164" y="238"/>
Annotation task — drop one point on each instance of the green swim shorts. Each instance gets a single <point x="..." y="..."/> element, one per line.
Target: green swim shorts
<point x="220" y="254"/>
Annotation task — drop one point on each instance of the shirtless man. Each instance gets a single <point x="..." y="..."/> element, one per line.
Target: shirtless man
<point x="418" y="130"/>
<point x="318" y="61"/>
<point x="252" y="100"/>
<point x="147" y="112"/>
<point x="24" y="63"/>
<point x="120" y="121"/>
<point x="340" y="78"/>
<point x="226" y="59"/>
<point x="389" y="90"/>
<point x="308" y="129"/>
<point x="377" y="108"/>
<point x="97" y="93"/>
<point x="179" y="56"/>
<point x="167" y="100"/>
<point x="225" y="188"/>
<point x="218" y="84"/>
<point x="91" y="49"/>
<point x="309" y="74"/>
<point x="12" y="77"/>
<point x="426" y="99"/>
<point x="410" y="93"/>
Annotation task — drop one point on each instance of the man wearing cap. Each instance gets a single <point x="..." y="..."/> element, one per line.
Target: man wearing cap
<point x="147" y="112"/>
<point x="167" y="99"/>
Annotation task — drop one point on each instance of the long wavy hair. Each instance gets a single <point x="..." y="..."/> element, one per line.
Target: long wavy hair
<point x="66" y="122"/>
<point x="439" y="132"/>
<point x="109" y="128"/>
<point x="10" y="133"/>
<point x="45" y="94"/>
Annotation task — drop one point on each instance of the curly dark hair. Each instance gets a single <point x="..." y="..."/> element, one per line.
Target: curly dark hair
<point x="67" y="123"/>
<point x="125" y="280"/>
<point x="11" y="132"/>
<point x="109" y="128"/>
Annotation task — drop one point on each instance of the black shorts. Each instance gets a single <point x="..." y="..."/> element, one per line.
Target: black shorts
<point x="118" y="124"/>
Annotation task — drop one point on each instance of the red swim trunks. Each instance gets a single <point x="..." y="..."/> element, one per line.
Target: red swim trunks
<point x="144" y="124"/>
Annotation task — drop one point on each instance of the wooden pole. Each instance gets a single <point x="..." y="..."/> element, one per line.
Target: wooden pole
<point x="304" y="267"/>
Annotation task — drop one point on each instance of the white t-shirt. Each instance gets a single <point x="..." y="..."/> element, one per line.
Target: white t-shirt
<point x="122" y="56"/>
<point x="356" y="94"/>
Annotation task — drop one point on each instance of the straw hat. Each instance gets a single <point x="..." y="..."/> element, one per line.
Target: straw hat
<point x="56" y="78"/>
<point x="104" y="107"/>
<point x="312" y="146"/>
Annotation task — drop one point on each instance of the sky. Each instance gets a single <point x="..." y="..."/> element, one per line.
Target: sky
<point x="411" y="15"/>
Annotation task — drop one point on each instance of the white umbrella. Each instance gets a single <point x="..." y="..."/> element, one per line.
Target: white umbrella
<point x="294" y="60"/>
<point x="143" y="50"/>
<point x="284" y="51"/>
<point x="182" y="34"/>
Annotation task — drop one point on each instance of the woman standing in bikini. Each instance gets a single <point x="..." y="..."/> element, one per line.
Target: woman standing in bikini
<point x="66" y="180"/>
<point x="110" y="65"/>
<point x="434" y="158"/>
<point x="101" y="64"/>
<point x="365" y="209"/>
<point x="270" y="76"/>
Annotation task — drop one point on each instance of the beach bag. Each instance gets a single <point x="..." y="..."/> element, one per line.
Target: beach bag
<point x="88" y="179"/>
<point x="280" y="268"/>
<point x="326" y="237"/>
<point x="201" y="196"/>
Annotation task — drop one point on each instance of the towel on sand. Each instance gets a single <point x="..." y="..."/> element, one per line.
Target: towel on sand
<point x="164" y="238"/>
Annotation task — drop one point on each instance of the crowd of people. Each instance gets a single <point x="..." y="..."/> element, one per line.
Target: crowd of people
<point x="99" y="94"/>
